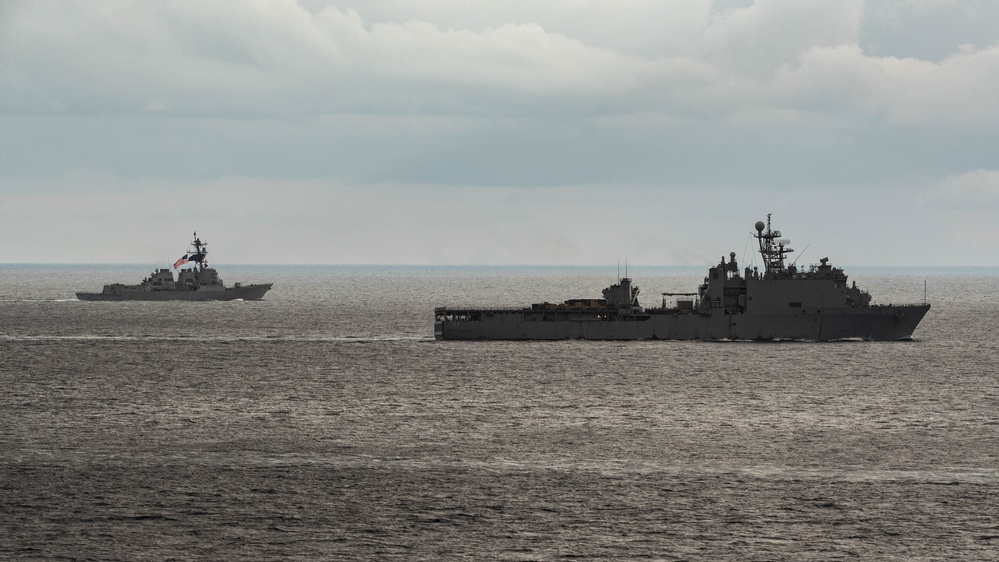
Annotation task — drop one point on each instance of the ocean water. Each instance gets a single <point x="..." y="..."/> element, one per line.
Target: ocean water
<point x="325" y="422"/>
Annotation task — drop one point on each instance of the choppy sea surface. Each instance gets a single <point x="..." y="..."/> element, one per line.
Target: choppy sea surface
<point x="325" y="422"/>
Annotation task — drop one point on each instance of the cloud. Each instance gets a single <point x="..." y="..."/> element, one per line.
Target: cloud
<point x="760" y="38"/>
<point x="976" y="189"/>
<point x="278" y="58"/>
<point x="206" y="56"/>
<point x="522" y="58"/>
<point x="489" y="112"/>
<point x="956" y="91"/>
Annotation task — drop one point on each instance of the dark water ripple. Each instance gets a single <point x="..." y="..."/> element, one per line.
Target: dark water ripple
<point x="305" y="428"/>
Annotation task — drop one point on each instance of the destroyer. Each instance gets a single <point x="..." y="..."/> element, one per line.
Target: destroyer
<point x="198" y="283"/>
<point x="780" y="303"/>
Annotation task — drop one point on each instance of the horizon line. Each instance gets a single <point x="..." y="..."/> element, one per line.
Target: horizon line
<point x="385" y="264"/>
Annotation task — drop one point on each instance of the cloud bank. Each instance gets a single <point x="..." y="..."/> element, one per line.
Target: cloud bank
<point x="804" y="106"/>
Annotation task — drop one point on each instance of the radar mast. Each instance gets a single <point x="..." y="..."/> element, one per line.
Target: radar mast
<point x="200" y="254"/>
<point x="773" y="248"/>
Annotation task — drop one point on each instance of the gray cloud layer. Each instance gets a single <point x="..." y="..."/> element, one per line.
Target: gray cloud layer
<point x="667" y="127"/>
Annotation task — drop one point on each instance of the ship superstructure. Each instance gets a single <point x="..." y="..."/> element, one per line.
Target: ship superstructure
<point x="196" y="283"/>
<point x="782" y="302"/>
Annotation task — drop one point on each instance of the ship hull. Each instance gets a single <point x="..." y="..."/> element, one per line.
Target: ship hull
<point x="245" y="292"/>
<point x="877" y="323"/>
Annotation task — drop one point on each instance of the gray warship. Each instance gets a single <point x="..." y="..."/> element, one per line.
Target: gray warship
<point x="198" y="283"/>
<point x="782" y="302"/>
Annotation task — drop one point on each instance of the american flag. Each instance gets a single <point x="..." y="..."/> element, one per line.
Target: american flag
<point x="180" y="262"/>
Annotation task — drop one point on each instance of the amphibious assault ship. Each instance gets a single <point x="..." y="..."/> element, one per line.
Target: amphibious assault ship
<point x="782" y="302"/>
<point x="198" y="283"/>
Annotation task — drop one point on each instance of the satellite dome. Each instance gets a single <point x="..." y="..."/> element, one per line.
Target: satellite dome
<point x="760" y="225"/>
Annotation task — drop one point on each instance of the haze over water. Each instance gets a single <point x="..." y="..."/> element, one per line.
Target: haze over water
<point x="325" y="422"/>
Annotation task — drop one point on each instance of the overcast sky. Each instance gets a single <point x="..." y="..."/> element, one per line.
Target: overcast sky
<point x="498" y="132"/>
